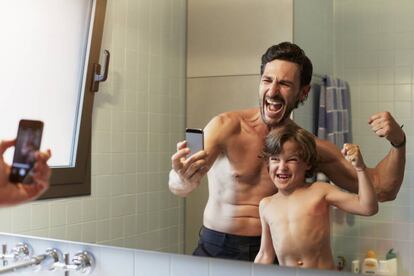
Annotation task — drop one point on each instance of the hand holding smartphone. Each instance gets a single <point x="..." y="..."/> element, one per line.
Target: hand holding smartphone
<point x="195" y="140"/>
<point x="29" y="137"/>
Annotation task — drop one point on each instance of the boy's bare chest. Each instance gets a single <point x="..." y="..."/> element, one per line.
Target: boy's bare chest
<point x="297" y="208"/>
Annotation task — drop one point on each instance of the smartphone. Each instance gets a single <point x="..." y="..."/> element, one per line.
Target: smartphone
<point x="195" y="140"/>
<point x="29" y="137"/>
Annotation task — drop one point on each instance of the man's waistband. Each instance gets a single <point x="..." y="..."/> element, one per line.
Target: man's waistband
<point x="209" y="234"/>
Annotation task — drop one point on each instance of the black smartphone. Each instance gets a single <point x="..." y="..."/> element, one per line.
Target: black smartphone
<point x="29" y="137"/>
<point x="195" y="140"/>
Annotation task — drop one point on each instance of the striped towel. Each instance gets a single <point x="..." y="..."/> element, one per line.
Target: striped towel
<point x="334" y="116"/>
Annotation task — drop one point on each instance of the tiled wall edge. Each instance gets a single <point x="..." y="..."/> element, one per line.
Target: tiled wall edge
<point x="115" y="261"/>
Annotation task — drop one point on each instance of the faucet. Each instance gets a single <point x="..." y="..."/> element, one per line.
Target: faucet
<point x="83" y="262"/>
<point x="22" y="251"/>
<point x="52" y="259"/>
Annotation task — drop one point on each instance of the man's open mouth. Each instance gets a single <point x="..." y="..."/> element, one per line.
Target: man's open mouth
<point x="273" y="106"/>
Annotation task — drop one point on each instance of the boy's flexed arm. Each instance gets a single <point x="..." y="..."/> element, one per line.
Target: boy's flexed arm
<point x="266" y="253"/>
<point x="365" y="202"/>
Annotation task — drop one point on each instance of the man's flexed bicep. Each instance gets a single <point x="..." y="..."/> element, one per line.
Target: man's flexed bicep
<point x="187" y="172"/>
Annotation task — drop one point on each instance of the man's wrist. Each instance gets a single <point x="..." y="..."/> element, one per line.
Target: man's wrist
<point x="174" y="177"/>
<point x="400" y="145"/>
<point x="360" y="169"/>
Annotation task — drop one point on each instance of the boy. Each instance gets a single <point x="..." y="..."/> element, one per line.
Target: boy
<point x="295" y="221"/>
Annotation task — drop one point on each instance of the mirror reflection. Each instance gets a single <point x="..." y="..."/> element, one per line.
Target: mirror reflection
<point x="156" y="88"/>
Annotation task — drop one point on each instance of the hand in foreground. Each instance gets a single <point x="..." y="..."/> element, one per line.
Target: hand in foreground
<point x="352" y="153"/>
<point x="15" y="193"/>
<point x="384" y="125"/>
<point x="188" y="169"/>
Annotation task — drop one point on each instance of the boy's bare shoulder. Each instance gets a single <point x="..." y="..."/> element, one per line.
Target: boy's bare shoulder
<point x="265" y="200"/>
<point x="322" y="186"/>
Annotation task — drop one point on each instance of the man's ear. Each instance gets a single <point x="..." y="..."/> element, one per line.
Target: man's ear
<point x="304" y="92"/>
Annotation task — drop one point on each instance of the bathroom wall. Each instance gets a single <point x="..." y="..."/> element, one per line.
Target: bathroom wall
<point x="374" y="52"/>
<point x="313" y="32"/>
<point x="139" y="114"/>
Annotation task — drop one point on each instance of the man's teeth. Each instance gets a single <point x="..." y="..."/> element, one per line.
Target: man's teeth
<point x="271" y="101"/>
<point x="274" y="105"/>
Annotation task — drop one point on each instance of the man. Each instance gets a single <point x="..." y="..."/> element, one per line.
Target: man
<point x="238" y="177"/>
<point x="15" y="193"/>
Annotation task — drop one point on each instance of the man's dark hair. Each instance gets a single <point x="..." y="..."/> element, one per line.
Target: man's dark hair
<point x="289" y="52"/>
<point x="291" y="132"/>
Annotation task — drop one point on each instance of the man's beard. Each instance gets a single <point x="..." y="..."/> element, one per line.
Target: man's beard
<point x="288" y="110"/>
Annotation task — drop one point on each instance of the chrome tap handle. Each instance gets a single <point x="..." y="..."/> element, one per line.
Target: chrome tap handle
<point x="51" y="257"/>
<point x="84" y="261"/>
<point x="55" y="254"/>
<point x="22" y="251"/>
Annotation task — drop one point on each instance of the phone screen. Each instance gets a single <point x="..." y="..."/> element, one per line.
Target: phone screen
<point x="29" y="137"/>
<point x="195" y="140"/>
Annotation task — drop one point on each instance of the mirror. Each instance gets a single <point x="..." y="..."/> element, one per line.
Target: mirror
<point x="139" y="116"/>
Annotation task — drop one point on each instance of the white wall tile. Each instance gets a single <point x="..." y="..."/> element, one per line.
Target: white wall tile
<point x="222" y="267"/>
<point x="385" y="75"/>
<point x="74" y="211"/>
<point x="269" y="270"/>
<point x="40" y="216"/>
<point x="189" y="266"/>
<point x="386" y="93"/>
<point x="403" y="74"/>
<point x="89" y="232"/>
<point x="385" y="58"/>
<point x="392" y="226"/>
<point x="74" y="232"/>
<point x="403" y="110"/>
<point x="103" y="230"/>
<point x="116" y="262"/>
<point x="6" y="220"/>
<point x="151" y="264"/>
<point x="116" y="228"/>
<point x="21" y="218"/>
<point x="89" y="210"/>
<point x="58" y="232"/>
<point x="58" y="213"/>
<point x="369" y="93"/>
